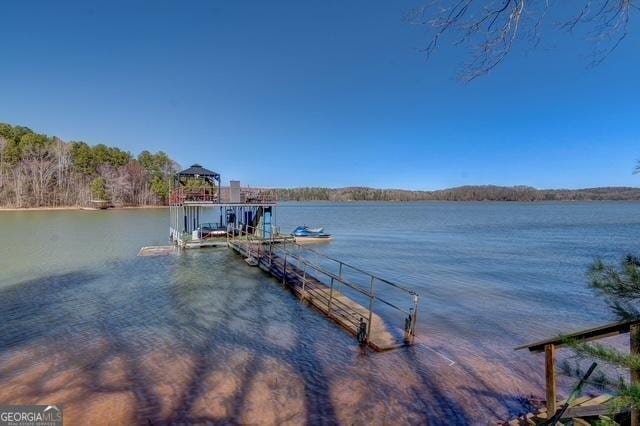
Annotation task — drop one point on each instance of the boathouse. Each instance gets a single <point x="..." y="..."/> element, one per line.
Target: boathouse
<point x="202" y="211"/>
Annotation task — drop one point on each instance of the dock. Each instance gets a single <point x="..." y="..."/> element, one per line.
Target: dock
<point x="290" y="264"/>
<point x="202" y="215"/>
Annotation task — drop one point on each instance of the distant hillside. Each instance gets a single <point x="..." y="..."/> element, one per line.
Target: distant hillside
<point x="462" y="193"/>
<point x="37" y="170"/>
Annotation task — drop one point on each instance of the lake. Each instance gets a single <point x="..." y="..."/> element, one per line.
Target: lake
<point x="202" y="337"/>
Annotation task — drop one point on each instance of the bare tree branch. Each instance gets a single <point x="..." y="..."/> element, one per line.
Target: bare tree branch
<point x="490" y="29"/>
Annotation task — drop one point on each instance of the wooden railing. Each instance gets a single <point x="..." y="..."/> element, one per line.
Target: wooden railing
<point x="257" y="196"/>
<point x="181" y="195"/>
<point x="549" y="347"/>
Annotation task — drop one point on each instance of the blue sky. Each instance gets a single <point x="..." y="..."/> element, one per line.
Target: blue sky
<point x="317" y="93"/>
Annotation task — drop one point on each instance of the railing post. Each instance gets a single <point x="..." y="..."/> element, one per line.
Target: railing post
<point x="304" y="280"/>
<point x="550" y="378"/>
<point x="370" y="310"/>
<point x="634" y="346"/>
<point x="415" y="315"/>
<point x="330" y="297"/>
<point x="411" y="331"/>
<point x="284" y="270"/>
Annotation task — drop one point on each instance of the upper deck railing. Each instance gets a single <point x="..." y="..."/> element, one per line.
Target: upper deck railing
<point x="183" y="195"/>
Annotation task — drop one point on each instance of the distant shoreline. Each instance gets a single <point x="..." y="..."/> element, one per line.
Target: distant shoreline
<point x="73" y="208"/>
<point x="65" y="208"/>
<point x="459" y="201"/>
<point x="462" y="193"/>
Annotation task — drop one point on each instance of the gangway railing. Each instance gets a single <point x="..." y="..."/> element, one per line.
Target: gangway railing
<point x="317" y="272"/>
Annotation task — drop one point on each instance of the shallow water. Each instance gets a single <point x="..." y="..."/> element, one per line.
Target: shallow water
<point x="202" y="337"/>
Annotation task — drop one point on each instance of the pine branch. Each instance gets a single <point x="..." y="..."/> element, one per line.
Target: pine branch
<point x="620" y="286"/>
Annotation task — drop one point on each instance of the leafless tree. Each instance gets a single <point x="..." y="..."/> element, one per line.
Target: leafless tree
<point x="3" y="142"/>
<point x="39" y="166"/>
<point x="490" y="29"/>
<point x="17" y="176"/>
<point x="37" y="171"/>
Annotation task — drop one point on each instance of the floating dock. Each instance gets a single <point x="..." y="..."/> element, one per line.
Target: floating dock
<point x="157" y="251"/>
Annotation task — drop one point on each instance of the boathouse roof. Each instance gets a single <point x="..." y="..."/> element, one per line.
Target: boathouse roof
<point x="198" y="170"/>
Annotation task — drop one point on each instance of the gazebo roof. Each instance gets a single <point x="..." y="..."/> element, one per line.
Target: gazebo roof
<point x="198" y="171"/>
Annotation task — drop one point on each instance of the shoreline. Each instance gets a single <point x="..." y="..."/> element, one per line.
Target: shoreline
<point x="72" y="208"/>
<point x="66" y="208"/>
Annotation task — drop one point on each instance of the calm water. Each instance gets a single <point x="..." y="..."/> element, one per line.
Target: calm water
<point x="202" y="337"/>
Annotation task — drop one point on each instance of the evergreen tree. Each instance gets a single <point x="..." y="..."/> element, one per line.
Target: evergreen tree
<point x="99" y="189"/>
<point x="619" y="285"/>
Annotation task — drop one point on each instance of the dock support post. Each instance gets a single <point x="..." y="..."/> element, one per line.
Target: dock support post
<point x="370" y="310"/>
<point x="634" y="342"/>
<point x="550" y="378"/>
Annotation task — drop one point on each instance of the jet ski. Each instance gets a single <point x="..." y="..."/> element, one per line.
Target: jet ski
<point x="304" y="233"/>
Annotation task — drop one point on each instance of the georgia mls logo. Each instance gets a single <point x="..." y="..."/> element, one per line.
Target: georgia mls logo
<point x="30" y="415"/>
<point x="52" y="407"/>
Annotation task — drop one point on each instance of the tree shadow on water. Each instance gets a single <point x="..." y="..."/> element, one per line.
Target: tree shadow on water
<point x="159" y="353"/>
<point x="317" y="407"/>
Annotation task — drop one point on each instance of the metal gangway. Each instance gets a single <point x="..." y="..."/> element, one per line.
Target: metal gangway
<point x="380" y="313"/>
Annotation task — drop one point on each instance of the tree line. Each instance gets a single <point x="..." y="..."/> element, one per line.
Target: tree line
<point x="463" y="193"/>
<point x="37" y="170"/>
